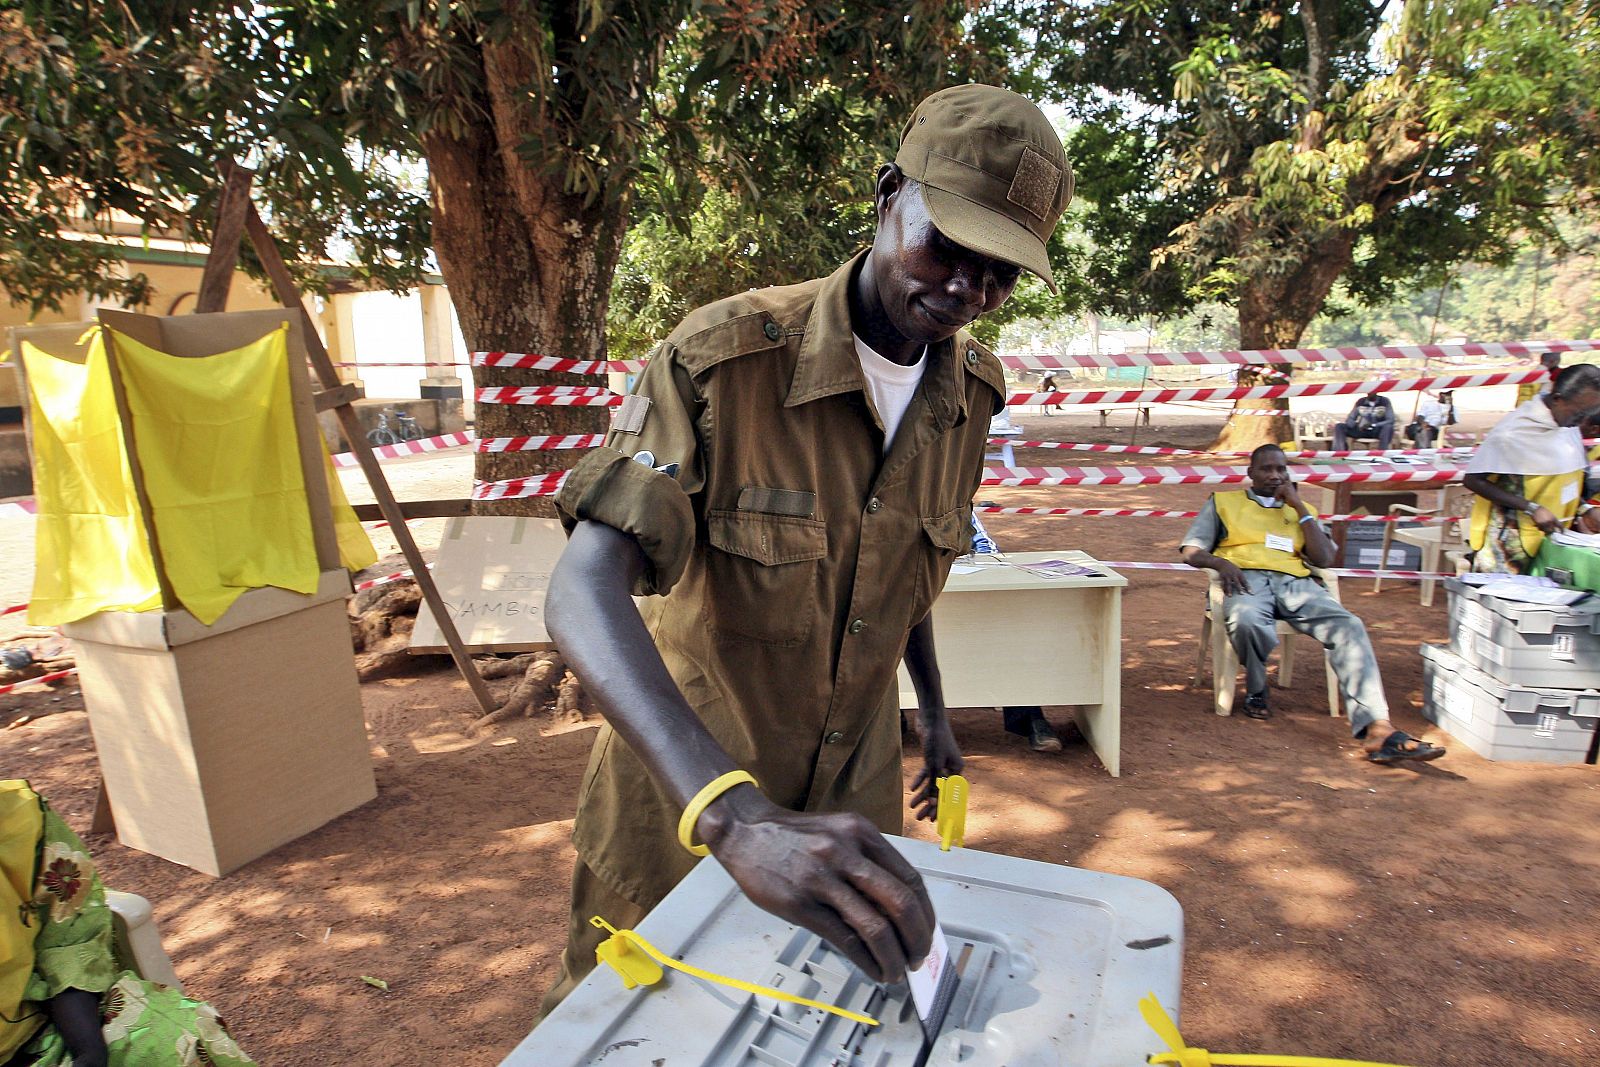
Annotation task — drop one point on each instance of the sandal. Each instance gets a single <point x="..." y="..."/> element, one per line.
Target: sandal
<point x="1394" y="749"/>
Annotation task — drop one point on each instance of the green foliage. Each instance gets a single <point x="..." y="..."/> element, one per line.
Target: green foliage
<point x="1269" y="148"/>
<point x="1548" y="293"/>
<point x="112" y="120"/>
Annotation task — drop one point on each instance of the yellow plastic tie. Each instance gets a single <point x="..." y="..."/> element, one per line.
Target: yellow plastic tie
<point x="617" y="950"/>
<point x="951" y="821"/>
<point x="1184" y="1056"/>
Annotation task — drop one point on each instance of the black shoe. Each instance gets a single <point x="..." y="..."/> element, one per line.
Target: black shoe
<point x="1042" y="736"/>
<point x="1255" y="706"/>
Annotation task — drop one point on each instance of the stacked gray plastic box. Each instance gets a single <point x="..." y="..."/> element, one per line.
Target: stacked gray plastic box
<point x="1517" y="681"/>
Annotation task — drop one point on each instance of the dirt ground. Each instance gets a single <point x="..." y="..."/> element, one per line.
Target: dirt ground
<point x="1428" y="915"/>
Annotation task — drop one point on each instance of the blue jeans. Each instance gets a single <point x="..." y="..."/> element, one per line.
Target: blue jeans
<point x="1251" y="622"/>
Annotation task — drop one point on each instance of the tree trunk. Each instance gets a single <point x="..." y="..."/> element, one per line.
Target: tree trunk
<point x="529" y="269"/>
<point x="1274" y="313"/>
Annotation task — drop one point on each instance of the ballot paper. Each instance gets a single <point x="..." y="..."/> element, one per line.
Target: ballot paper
<point x="1575" y="538"/>
<point x="933" y="985"/>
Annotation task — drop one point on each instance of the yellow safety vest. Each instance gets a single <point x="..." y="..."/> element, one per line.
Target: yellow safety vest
<point x="1558" y="492"/>
<point x="1254" y="537"/>
<point x="21" y="827"/>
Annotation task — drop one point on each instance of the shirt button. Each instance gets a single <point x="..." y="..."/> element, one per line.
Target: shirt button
<point x="874" y="505"/>
<point x="972" y="357"/>
<point x="857" y="625"/>
<point x="834" y="738"/>
<point x="772" y="330"/>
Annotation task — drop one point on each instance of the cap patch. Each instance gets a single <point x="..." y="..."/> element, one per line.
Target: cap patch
<point x="1034" y="186"/>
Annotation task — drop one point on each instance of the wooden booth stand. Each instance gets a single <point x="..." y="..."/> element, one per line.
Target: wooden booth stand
<point x="218" y="743"/>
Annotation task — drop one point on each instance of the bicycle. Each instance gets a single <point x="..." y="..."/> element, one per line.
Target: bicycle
<point x="405" y="429"/>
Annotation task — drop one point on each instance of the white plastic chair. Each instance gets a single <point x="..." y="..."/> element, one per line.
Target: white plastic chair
<point x="1444" y="540"/>
<point x="137" y="942"/>
<point x="1215" y="646"/>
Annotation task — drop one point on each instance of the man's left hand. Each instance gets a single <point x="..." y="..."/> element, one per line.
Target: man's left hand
<point x="941" y="757"/>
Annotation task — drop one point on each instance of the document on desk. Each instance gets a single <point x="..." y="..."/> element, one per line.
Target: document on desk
<point x="1056" y="568"/>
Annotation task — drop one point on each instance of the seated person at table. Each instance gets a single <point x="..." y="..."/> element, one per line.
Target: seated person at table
<point x="1528" y="473"/>
<point x="1372" y="419"/>
<point x="1433" y="415"/>
<point x="63" y="999"/>
<point x="1259" y="541"/>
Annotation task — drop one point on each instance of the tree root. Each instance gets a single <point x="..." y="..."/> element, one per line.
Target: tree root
<point x="531" y="691"/>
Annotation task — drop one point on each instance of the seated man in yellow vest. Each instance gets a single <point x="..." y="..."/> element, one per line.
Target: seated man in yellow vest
<point x="1259" y="541"/>
<point x="1528" y="473"/>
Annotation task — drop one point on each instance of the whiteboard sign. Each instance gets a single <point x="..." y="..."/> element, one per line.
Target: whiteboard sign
<point x="492" y="572"/>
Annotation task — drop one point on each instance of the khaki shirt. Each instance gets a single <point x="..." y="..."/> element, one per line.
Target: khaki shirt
<point x="788" y="556"/>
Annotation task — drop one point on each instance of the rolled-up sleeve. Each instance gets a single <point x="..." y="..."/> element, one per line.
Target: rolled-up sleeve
<point x="642" y="479"/>
<point x="1206" y="530"/>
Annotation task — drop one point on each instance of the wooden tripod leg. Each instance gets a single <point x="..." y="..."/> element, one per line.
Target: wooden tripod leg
<point x="289" y="295"/>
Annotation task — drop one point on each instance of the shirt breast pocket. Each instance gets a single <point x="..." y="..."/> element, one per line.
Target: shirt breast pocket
<point x="762" y="573"/>
<point x="944" y="537"/>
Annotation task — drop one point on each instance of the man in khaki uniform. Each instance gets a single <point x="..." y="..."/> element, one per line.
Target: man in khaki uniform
<point x="788" y="486"/>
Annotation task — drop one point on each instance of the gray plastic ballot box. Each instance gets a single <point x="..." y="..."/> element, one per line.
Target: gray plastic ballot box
<point x="1052" y="963"/>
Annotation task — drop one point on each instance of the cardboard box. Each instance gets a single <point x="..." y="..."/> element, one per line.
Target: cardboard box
<point x="219" y="743"/>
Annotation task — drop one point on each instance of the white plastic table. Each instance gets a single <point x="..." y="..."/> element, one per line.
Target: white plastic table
<point x="1007" y="636"/>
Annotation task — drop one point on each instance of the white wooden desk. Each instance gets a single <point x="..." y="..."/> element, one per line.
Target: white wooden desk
<point x="1006" y="636"/>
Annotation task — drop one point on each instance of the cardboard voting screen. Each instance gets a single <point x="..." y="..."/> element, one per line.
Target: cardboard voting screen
<point x="492" y="572"/>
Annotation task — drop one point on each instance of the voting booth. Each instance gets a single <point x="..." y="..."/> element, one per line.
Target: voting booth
<point x="195" y="545"/>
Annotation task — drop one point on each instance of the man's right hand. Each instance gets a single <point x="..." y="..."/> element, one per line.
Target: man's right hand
<point x="1545" y="519"/>
<point x="1233" y="582"/>
<point x="833" y="874"/>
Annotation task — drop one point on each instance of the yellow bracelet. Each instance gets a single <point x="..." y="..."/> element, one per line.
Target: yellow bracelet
<point x="702" y="800"/>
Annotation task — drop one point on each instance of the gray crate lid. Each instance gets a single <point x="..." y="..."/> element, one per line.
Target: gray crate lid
<point x="1584" y="703"/>
<point x="1056" y="960"/>
<point x="1533" y="618"/>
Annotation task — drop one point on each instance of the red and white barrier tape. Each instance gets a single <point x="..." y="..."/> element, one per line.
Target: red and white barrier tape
<point x="998" y="476"/>
<point x="1292" y="355"/>
<point x="1343" y="572"/>
<point x="575" y="396"/>
<point x="407" y="448"/>
<point x="53" y="676"/>
<point x="1092" y="397"/>
<point x="13" y="508"/>
<point x="544" y="441"/>
<point x="403" y="363"/>
<point x="1159" y="450"/>
<point x="533" y="361"/>
<point x="386" y="579"/>
<point x="516" y="488"/>
<point x="13" y="609"/>
<point x="1164" y="513"/>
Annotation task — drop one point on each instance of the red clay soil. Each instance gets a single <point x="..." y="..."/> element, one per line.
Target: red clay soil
<point x="1427" y="915"/>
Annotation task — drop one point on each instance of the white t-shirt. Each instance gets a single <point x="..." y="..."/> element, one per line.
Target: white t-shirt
<point x="891" y="385"/>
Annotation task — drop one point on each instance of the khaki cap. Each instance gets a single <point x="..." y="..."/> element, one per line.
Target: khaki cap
<point x="995" y="176"/>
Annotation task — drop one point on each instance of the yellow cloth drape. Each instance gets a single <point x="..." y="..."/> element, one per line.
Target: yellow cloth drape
<point x="216" y="444"/>
<point x="21" y="826"/>
<point x="90" y="552"/>
<point x="355" y="547"/>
